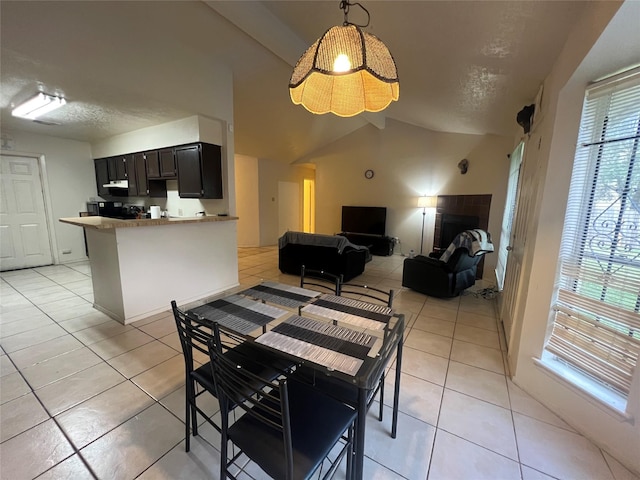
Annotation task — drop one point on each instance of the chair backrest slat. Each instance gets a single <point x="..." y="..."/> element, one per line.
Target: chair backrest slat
<point x="320" y="280"/>
<point x="373" y="293"/>
<point x="237" y="386"/>
<point x="196" y="333"/>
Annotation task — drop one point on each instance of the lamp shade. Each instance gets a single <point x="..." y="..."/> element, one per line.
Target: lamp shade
<point x="427" y="201"/>
<point x="346" y="72"/>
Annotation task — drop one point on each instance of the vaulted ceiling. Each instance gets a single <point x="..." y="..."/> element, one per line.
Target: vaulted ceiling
<point x="464" y="66"/>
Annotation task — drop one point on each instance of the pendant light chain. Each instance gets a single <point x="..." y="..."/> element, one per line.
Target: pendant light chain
<point x="344" y="5"/>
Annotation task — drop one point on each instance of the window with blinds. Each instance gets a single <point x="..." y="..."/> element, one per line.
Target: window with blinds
<point x="596" y="319"/>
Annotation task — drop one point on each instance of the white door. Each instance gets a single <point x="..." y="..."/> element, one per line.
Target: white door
<point x="24" y="232"/>
<point x="288" y="207"/>
<point x="509" y="213"/>
<point x="526" y="192"/>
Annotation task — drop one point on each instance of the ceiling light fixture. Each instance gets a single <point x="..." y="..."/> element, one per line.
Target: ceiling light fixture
<point x="345" y="72"/>
<point x="38" y="105"/>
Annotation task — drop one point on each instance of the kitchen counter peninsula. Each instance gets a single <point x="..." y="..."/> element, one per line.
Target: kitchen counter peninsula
<point x="136" y="272"/>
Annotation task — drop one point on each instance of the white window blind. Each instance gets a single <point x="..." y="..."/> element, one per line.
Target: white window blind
<point x="596" y="320"/>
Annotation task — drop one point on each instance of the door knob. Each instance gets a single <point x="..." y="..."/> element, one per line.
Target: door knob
<point x="509" y="248"/>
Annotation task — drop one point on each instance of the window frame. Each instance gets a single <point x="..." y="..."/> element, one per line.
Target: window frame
<point x="585" y="180"/>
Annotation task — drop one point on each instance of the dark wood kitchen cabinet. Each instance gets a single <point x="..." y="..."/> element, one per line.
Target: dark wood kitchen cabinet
<point x="118" y="167"/>
<point x="153" y="165"/>
<point x="161" y="164"/>
<point x="199" y="169"/>
<point x="167" y="163"/>
<point x="102" y="175"/>
<point x="139" y="184"/>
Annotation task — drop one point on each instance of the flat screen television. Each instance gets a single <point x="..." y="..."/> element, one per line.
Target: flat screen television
<point x="369" y="220"/>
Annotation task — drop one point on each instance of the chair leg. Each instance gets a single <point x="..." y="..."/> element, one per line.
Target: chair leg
<point x="381" y="387"/>
<point x="223" y="455"/>
<point x="187" y="426"/>
<point x="194" y="412"/>
<point x="194" y="422"/>
<point x="350" y="453"/>
<point x="396" y="391"/>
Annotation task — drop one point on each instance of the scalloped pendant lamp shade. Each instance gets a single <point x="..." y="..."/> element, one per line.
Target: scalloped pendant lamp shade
<point x="346" y="72"/>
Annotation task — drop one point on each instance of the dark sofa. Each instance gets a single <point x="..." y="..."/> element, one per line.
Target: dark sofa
<point x="448" y="274"/>
<point x="440" y="279"/>
<point x="331" y="253"/>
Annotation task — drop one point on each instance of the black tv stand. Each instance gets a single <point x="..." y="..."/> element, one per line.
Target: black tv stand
<point x="380" y="245"/>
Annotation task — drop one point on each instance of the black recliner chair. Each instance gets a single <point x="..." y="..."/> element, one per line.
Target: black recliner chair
<point x="449" y="278"/>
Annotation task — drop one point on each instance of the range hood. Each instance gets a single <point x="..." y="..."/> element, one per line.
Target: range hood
<point x="117" y="184"/>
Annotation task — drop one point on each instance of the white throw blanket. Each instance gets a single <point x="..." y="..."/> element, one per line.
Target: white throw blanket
<point x="475" y="241"/>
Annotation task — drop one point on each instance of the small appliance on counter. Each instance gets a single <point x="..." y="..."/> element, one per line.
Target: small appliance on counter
<point x="114" y="210"/>
<point x="155" y="211"/>
<point x="105" y="209"/>
<point x="132" y="211"/>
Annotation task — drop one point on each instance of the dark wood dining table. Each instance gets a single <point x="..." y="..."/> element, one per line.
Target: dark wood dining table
<point x="350" y="340"/>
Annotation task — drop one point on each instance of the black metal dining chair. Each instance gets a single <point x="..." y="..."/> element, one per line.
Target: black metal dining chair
<point x="195" y="334"/>
<point x="287" y="428"/>
<point x="369" y="293"/>
<point x="341" y="390"/>
<point x="320" y="280"/>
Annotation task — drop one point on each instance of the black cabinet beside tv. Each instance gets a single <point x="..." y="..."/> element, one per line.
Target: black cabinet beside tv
<point x="378" y="244"/>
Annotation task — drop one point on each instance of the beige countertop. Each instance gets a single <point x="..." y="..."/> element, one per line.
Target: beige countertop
<point x="104" y="222"/>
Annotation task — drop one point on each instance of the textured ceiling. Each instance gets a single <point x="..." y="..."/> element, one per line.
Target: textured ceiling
<point x="464" y="66"/>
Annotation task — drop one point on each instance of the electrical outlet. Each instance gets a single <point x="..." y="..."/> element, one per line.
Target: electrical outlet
<point x="66" y="251"/>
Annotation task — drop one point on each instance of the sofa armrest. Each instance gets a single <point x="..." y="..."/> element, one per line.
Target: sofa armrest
<point x="354" y="262"/>
<point x="428" y="275"/>
<point x="427" y="263"/>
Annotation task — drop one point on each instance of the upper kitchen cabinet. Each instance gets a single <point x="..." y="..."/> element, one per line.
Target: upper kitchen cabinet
<point x="139" y="184"/>
<point x="199" y="169"/>
<point x="118" y="167"/>
<point x="102" y="175"/>
<point x="167" y="163"/>
<point x="161" y="164"/>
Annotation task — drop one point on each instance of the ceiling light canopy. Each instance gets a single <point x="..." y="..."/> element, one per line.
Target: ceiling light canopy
<point x="345" y="72"/>
<point x="38" y="105"/>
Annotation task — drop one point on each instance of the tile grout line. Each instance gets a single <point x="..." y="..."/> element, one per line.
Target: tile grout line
<point x="55" y="421"/>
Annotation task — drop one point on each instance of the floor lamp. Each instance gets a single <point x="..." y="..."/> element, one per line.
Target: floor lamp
<point x="425" y="202"/>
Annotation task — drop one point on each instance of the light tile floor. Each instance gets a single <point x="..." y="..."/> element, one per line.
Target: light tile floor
<point x="83" y="396"/>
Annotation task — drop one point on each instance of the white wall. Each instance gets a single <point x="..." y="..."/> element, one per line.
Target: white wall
<point x="593" y="50"/>
<point x="69" y="181"/>
<point x="408" y="162"/>
<point x="181" y="131"/>
<point x="247" y="201"/>
<point x="270" y="173"/>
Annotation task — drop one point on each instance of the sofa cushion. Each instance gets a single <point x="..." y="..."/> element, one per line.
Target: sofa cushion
<point x="317" y="240"/>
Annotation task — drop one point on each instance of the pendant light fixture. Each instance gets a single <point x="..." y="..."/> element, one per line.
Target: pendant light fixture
<point x="345" y="72"/>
